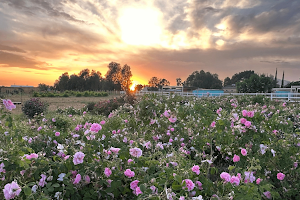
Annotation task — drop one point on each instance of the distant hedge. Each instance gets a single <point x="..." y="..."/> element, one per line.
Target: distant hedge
<point x="68" y="93"/>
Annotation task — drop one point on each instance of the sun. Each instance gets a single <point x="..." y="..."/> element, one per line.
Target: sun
<point x="132" y="88"/>
<point x="140" y="26"/>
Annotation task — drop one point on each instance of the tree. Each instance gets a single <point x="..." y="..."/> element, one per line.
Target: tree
<point x="157" y="83"/>
<point x="227" y="81"/>
<point x="113" y="76"/>
<point x="282" y="81"/>
<point x="178" y="81"/>
<point x="125" y="78"/>
<point x="256" y="84"/>
<point x="138" y="87"/>
<point x="62" y="83"/>
<point x="43" y="87"/>
<point x="204" y="80"/>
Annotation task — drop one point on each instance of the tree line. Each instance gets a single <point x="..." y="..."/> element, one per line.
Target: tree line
<point x="119" y="78"/>
<point x="116" y="78"/>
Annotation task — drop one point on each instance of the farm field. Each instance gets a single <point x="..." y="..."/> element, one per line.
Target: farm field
<point x="158" y="148"/>
<point x="59" y="102"/>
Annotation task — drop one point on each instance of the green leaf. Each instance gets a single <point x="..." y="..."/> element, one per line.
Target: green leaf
<point x="27" y="191"/>
<point x="55" y="185"/>
<point x="143" y="188"/>
<point x="178" y="179"/>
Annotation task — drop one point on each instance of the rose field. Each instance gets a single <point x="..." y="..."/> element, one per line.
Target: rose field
<point x="156" y="148"/>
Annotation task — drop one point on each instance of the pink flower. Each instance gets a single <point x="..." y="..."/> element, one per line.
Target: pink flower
<point x="43" y="182"/>
<point x="250" y="114"/>
<point x="107" y="172"/>
<point x="196" y="169"/>
<point x="129" y="173"/>
<point x="258" y="181"/>
<point x="213" y="124"/>
<point x="245" y="112"/>
<point x="11" y="190"/>
<point x="87" y="179"/>
<point x="115" y="150"/>
<point x="8" y="104"/>
<point x="268" y="194"/>
<point x="235" y="180"/>
<point x="244" y="152"/>
<point x="243" y="120"/>
<point x="199" y="185"/>
<point x="280" y="176"/>
<point x="225" y="176"/>
<point x="78" y="158"/>
<point x="53" y="120"/>
<point x="249" y="177"/>
<point x="166" y="113"/>
<point x="236" y="158"/>
<point x="95" y="127"/>
<point x="39" y="128"/>
<point x="33" y="155"/>
<point x="134" y="184"/>
<point x="172" y="129"/>
<point x="153" y="188"/>
<point x="138" y="191"/>
<point x="135" y="152"/>
<point x="130" y="160"/>
<point x="247" y="124"/>
<point x="57" y="134"/>
<point x="102" y="122"/>
<point x="189" y="184"/>
<point x="172" y="119"/>
<point x="77" y="179"/>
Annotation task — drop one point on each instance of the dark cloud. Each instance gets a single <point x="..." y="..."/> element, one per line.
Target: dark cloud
<point x="13" y="60"/>
<point x="13" y="49"/>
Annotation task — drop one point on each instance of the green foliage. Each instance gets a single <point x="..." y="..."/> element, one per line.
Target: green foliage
<point x="34" y="107"/>
<point x="256" y="84"/>
<point x="69" y="93"/>
<point x="204" y="80"/>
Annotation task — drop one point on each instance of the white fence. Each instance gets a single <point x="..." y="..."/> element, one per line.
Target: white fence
<point x="292" y="97"/>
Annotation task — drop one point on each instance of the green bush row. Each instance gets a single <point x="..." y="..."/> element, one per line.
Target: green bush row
<point x="68" y="93"/>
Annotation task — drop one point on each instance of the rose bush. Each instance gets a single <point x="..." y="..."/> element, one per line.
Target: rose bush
<point x="158" y="148"/>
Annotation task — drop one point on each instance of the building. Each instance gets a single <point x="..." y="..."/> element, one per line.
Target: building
<point x="230" y="89"/>
<point x="14" y="89"/>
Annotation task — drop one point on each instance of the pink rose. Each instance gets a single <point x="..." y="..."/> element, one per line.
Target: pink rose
<point x="249" y="177"/>
<point x="77" y="179"/>
<point x="135" y="152"/>
<point x="57" y="134"/>
<point x="235" y="180"/>
<point x="42" y="181"/>
<point x="33" y="155"/>
<point x="78" y="158"/>
<point x="138" y="191"/>
<point x="115" y="150"/>
<point x="236" y="158"/>
<point x="225" y="176"/>
<point x="189" y="184"/>
<point x="258" y="181"/>
<point x="95" y="127"/>
<point x="250" y="114"/>
<point x="199" y="185"/>
<point x="213" y="124"/>
<point x="244" y="152"/>
<point x="87" y="179"/>
<point x="243" y="120"/>
<point x="107" y="172"/>
<point x="134" y="184"/>
<point x="172" y="119"/>
<point x="280" y="176"/>
<point x="247" y="124"/>
<point x="11" y="190"/>
<point x="268" y="194"/>
<point x="245" y="112"/>
<point x="129" y="173"/>
<point x="196" y="169"/>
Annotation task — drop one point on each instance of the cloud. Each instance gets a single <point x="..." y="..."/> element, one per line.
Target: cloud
<point x="13" y="49"/>
<point x="13" y="60"/>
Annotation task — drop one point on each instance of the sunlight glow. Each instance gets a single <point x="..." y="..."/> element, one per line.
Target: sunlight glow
<point x="140" y="26"/>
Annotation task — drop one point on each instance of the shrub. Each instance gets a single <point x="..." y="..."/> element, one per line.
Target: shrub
<point x="34" y="107"/>
<point x="90" y="106"/>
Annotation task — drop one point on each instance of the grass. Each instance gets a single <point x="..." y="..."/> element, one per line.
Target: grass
<point x="58" y="102"/>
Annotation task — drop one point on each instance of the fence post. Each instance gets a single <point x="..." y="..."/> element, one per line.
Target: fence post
<point x="271" y="96"/>
<point x="289" y="96"/>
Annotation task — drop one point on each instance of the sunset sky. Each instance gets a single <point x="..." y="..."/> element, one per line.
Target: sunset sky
<point x="41" y="39"/>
